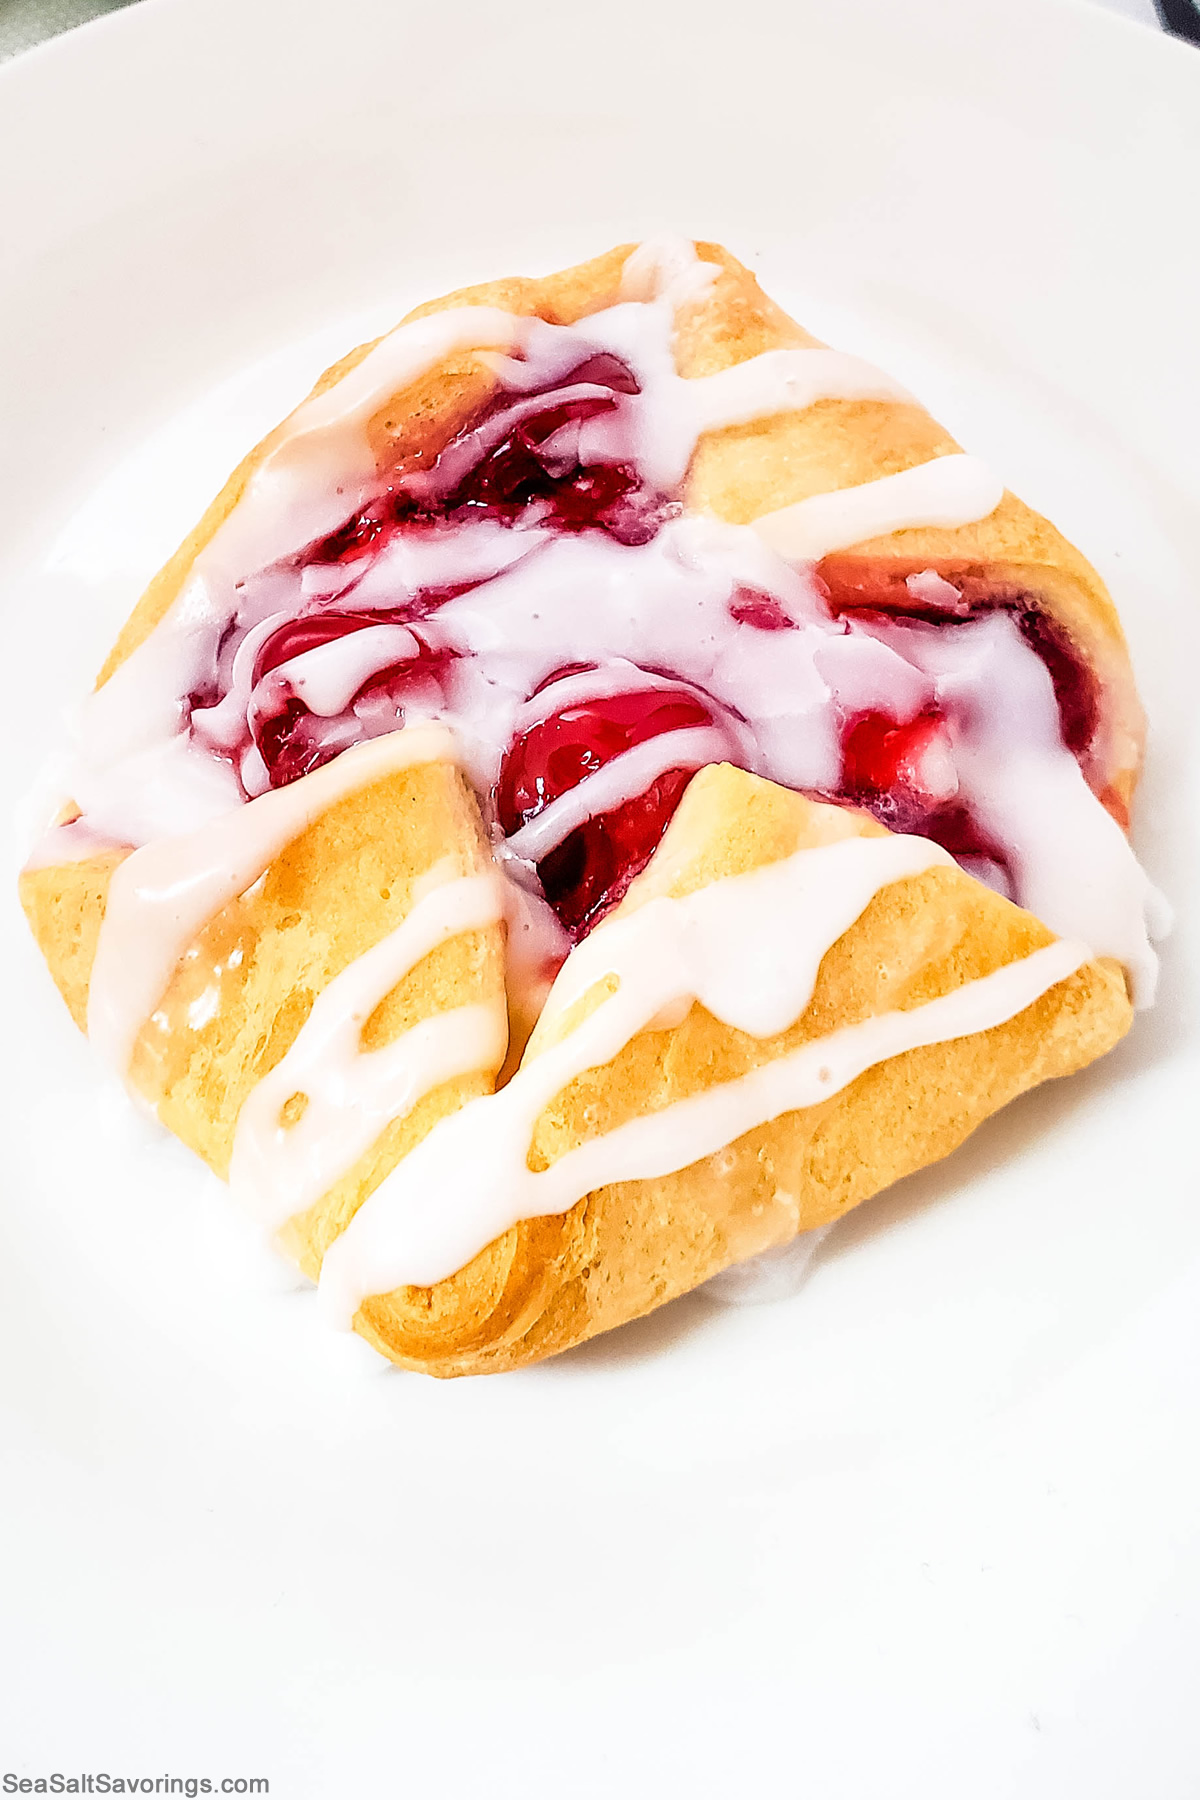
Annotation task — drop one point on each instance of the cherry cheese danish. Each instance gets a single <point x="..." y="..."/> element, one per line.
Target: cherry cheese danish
<point x="606" y="787"/>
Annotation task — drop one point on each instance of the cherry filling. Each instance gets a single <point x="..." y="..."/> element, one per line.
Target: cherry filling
<point x="298" y="636"/>
<point x="861" y="587"/>
<point x="880" y="756"/>
<point x="529" y="467"/>
<point x="886" y="770"/>
<point x="290" y="739"/>
<point x="551" y="460"/>
<point x="883" y="761"/>
<point x="589" y="872"/>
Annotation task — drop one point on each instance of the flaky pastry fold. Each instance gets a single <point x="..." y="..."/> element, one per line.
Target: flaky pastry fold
<point x="348" y="879"/>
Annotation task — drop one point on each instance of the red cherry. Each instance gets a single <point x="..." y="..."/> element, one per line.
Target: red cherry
<point x="512" y="475"/>
<point x="859" y="587"/>
<point x="290" y="740"/>
<point x="590" y="870"/>
<point x="288" y="744"/>
<point x="881" y="773"/>
<point x="878" y="754"/>
<point x="308" y="633"/>
<point x="554" y="755"/>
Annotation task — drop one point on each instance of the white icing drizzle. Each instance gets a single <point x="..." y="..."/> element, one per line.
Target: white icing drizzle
<point x="142" y="778"/>
<point x="748" y="948"/>
<point x="322" y="467"/>
<point x="327" y="679"/>
<point x="138" y="773"/>
<point x="163" y="894"/>
<point x="622" y="779"/>
<point x="353" y="1094"/>
<point x="1028" y="793"/>
<point x="665" y="605"/>
<point x="135" y="772"/>
<point x="446" y="556"/>
<point x="658" y="428"/>
<point x="616" y="677"/>
<point x="786" y="381"/>
<point x="460" y="458"/>
<point x="932" y="589"/>
<point x="949" y="491"/>
<point x="76" y="841"/>
<point x="667" y="268"/>
<point x="775" y="1274"/>
<point x="223" y="726"/>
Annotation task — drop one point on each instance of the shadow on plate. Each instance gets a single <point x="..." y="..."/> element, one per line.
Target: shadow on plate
<point x="639" y="1341"/>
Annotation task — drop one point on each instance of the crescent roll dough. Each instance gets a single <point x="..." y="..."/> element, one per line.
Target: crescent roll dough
<point x="626" y="1249"/>
<point x="239" y="997"/>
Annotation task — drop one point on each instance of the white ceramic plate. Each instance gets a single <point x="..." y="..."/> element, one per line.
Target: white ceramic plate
<point x="927" y="1530"/>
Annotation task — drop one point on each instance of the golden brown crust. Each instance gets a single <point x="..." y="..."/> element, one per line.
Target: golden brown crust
<point x="738" y="473"/>
<point x="749" y="470"/>
<point x="64" y="904"/>
<point x="239" y="998"/>
<point x="414" y="423"/>
<point x="742" y="472"/>
<point x="334" y="893"/>
<point x="632" y="1246"/>
<point x="347" y="880"/>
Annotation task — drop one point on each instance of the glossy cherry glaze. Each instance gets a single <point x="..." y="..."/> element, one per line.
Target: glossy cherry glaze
<point x="293" y="743"/>
<point x="863" y="587"/>
<point x="591" y="869"/>
<point x="881" y="772"/>
<point x="521" y="476"/>
<point x="517" y="475"/>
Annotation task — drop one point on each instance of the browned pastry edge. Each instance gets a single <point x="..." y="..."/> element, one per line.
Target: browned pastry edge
<point x="742" y="472"/>
<point x="738" y="473"/>
<point x="550" y="1283"/>
<point x="514" y="1301"/>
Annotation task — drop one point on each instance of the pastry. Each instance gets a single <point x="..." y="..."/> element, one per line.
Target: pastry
<point x="607" y="786"/>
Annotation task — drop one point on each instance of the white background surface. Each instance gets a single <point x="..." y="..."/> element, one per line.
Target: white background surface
<point x="930" y="1529"/>
<point x="1133" y="9"/>
<point x="24" y="23"/>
